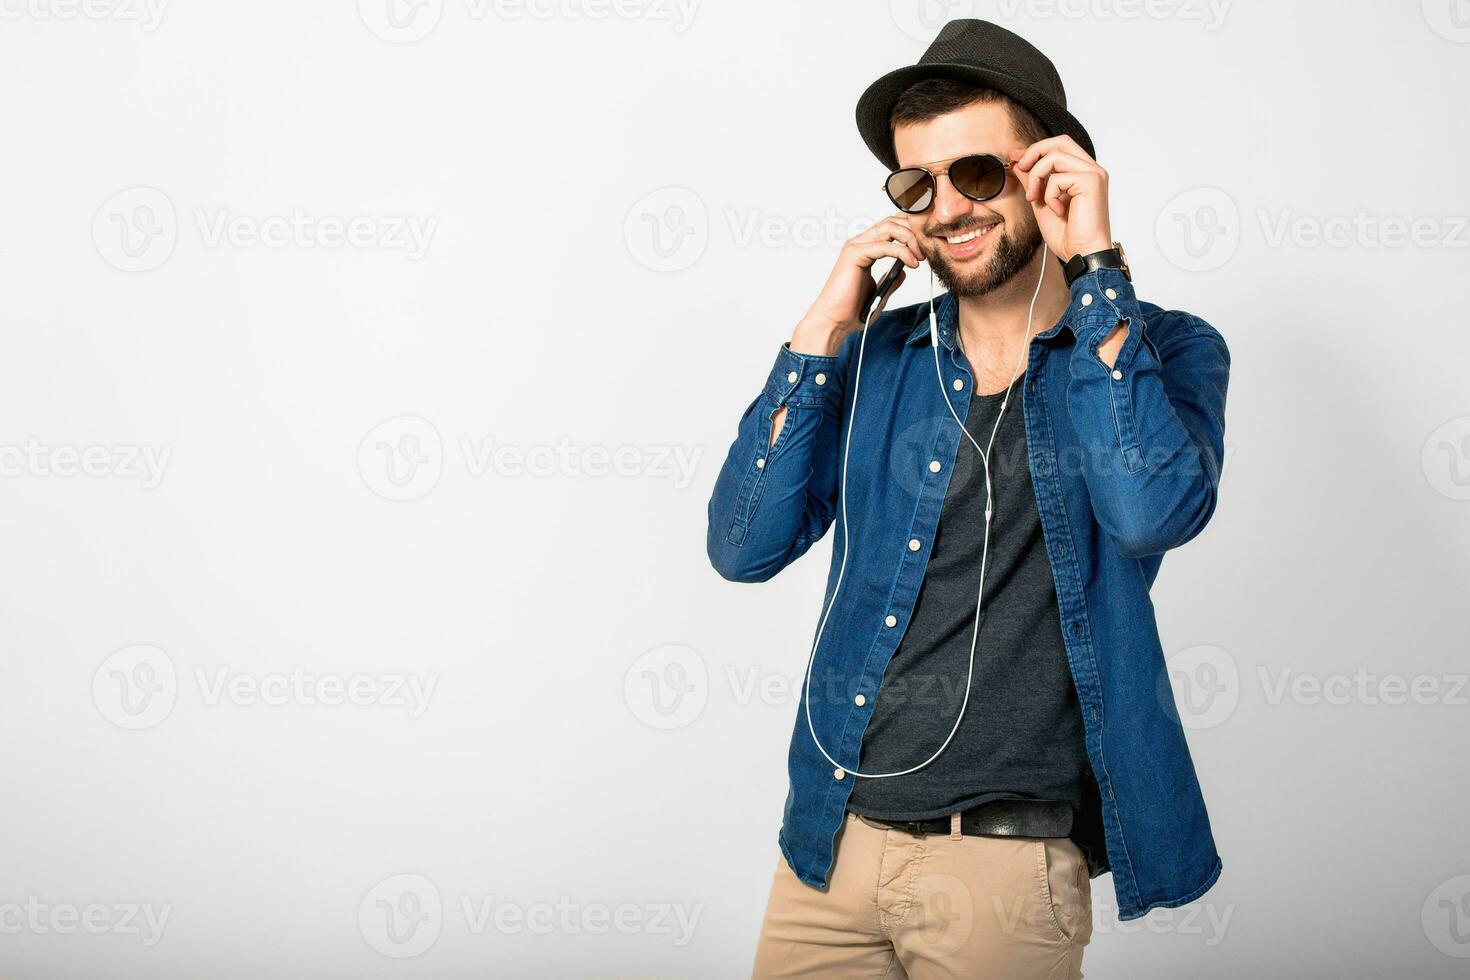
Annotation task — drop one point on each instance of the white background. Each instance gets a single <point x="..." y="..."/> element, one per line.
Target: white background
<point x="626" y="211"/>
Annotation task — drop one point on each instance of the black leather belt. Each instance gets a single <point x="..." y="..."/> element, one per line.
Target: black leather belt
<point x="998" y="818"/>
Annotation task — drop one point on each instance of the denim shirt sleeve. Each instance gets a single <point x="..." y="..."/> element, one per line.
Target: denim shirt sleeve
<point x="1154" y="424"/>
<point x="772" y="502"/>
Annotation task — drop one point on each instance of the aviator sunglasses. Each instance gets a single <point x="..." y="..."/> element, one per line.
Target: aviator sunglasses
<point x="979" y="177"/>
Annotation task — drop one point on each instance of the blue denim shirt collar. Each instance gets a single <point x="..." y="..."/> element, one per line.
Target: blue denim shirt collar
<point x="946" y="310"/>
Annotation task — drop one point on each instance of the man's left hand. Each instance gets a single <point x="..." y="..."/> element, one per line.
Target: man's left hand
<point x="1068" y="192"/>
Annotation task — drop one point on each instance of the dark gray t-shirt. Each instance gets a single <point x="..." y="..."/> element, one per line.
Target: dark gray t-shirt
<point x="1022" y="732"/>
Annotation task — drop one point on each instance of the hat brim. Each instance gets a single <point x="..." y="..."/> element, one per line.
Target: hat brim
<point x="875" y="108"/>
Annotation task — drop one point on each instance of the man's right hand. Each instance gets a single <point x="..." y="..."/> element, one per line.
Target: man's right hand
<point x="835" y="313"/>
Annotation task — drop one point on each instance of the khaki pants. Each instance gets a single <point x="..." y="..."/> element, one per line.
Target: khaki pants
<point x="940" y="905"/>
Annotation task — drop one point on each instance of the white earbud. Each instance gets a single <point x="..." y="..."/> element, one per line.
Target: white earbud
<point x="989" y="510"/>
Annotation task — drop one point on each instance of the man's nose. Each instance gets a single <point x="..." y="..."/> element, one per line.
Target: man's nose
<point x="949" y="204"/>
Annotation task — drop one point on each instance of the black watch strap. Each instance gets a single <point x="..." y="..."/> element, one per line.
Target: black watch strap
<point x="1109" y="258"/>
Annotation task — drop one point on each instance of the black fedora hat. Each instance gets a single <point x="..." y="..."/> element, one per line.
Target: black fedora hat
<point x="980" y="52"/>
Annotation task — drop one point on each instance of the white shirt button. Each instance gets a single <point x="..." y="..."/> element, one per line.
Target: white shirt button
<point x="791" y="376"/>
<point x="959" y="385"/>
<point x="934" y="466"/>
<point x="838" y="774"/>
<point x="859" y="700"/>
<point x="1117" y="375"/>
<point x="820" y="379"/>
<point x="1111" y="292"/>
<point x="914" y="544"/>
<point x="890" y="621"/>
<point x="760" y="464"/>
<point x="1086" y="299"/>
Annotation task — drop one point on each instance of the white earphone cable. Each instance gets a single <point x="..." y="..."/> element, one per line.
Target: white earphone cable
<point x="989" y="510"/>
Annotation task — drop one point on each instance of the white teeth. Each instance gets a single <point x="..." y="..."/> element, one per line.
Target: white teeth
<point x="961" y="239"/>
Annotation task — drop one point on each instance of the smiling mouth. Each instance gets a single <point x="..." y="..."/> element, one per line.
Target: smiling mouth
<point x="967" y="244"/>
<point x="970" y="235"/>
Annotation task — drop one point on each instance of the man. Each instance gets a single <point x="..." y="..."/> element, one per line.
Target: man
<point x="986" y="722"/>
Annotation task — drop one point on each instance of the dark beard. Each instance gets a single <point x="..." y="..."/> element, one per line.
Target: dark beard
<point x="1012" y="254"/>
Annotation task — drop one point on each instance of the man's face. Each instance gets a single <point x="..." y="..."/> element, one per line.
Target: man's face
<point x="1007" y="236"/>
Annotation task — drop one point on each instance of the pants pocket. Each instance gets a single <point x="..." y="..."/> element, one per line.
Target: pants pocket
<point x="1066" y="892"/>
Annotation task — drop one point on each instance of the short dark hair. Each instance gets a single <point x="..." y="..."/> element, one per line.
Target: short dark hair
<point x="933" y="97"/>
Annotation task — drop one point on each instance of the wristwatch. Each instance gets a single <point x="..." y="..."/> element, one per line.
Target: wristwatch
<point x="1109" y="258"/>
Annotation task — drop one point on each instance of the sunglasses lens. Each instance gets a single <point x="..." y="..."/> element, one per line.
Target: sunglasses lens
<point x="911" y="190"/>
<point x="979" y="177"/>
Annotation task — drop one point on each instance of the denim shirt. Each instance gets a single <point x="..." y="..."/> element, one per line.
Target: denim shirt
<point x="1125" y="462"/>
